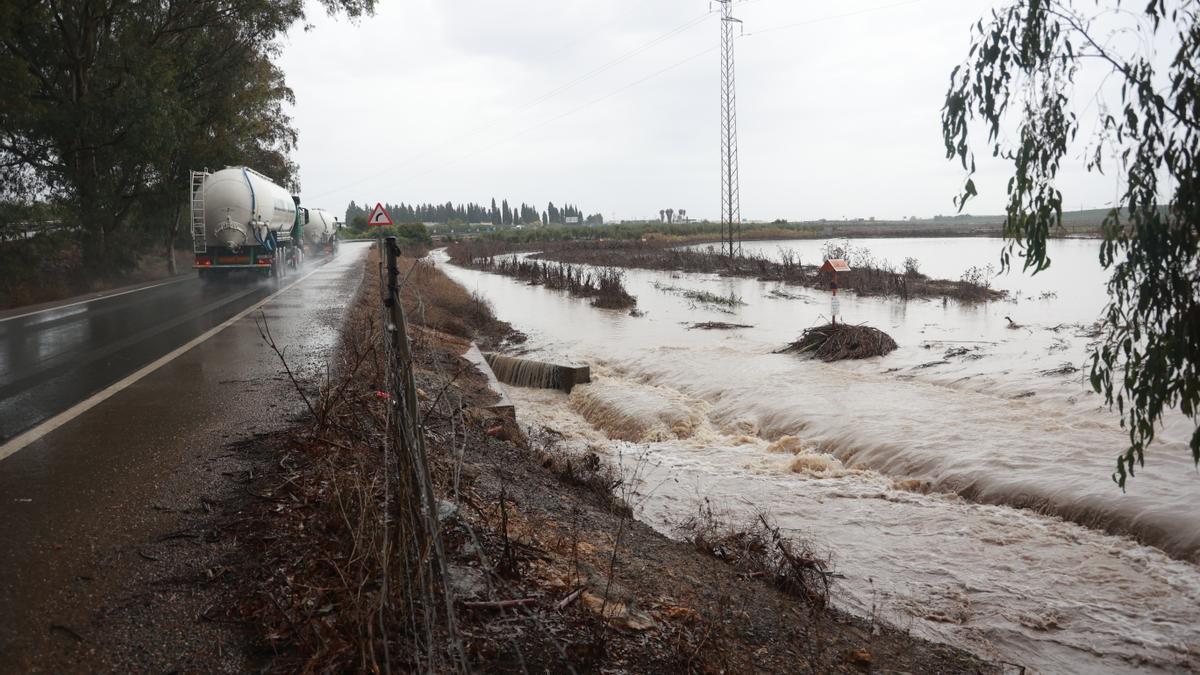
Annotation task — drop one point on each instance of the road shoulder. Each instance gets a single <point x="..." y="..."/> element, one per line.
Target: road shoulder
<point x="118" y="524"/>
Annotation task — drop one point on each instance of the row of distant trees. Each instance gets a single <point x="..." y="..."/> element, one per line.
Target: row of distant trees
<point x="471" y="212"/>
<point x="668" y="215"/>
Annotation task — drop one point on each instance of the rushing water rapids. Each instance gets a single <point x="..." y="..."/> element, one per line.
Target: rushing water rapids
<point x="907" y="467"/>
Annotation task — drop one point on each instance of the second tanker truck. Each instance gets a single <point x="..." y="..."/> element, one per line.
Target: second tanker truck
<point x="320" y="232"/>
<point x="243" y="221"/>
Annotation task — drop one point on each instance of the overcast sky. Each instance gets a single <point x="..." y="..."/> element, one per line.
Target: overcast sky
<point x="463" y="100"/>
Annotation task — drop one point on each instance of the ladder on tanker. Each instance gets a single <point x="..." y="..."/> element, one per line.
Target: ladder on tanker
<point x="199" y="236"/>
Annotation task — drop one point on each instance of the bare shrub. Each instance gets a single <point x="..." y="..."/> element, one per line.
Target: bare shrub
<point x="579" y="468"/>
<point x="836" y="249"/>
<point x="760" y="549"/>
<point x="979" y="276"/>
<point x="912" y="267"/>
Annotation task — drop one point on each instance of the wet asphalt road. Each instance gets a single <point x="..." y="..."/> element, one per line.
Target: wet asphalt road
<point x="79" y="505"/>
<point x="53" y="359"/>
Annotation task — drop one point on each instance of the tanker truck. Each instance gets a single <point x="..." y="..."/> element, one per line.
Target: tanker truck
<point x="243" y="221"/>
<point x="320" y="232"/>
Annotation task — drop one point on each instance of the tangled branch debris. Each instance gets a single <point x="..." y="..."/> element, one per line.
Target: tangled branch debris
<point x="1064" y="368"/>
<point x="836" y="342"/>
<point x="717" y="325"/>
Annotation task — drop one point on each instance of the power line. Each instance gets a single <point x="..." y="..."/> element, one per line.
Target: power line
<point x="618" y="60"/>
<point x="831" y="17"/>
<point x="560" y="116"/>
<point x="604" y="67"/>
<point x="459" y="138"/>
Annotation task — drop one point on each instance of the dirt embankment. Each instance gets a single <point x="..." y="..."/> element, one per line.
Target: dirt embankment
<point x="874" y="278"/>
<point x="550" y="568"/>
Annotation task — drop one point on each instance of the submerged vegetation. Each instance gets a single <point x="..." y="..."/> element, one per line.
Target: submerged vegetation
<point x="869" y="276"/>
<point x="702" y="297"/>
<point x="604" y="286"/>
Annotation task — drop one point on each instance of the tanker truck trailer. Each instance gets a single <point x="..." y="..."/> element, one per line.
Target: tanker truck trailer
<point x="243" y="221"/>
<point x="320" y="232"/>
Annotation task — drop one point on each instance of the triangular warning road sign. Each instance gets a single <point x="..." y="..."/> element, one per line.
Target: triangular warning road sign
<point x="379" y="217"/>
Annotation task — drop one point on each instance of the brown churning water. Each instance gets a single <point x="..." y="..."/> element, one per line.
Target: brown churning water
<point x="520" y="372"/>
<point x="961" y="481"/>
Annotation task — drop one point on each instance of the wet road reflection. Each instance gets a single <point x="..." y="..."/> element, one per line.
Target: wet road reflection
<point x="53" y="359"/>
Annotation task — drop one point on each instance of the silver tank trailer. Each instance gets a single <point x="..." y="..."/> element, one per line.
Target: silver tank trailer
<point x="320" y="228"/>
<point x="241" y="206"/>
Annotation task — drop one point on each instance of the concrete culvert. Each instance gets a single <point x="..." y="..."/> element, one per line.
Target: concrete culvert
<point x="528" y="373"/>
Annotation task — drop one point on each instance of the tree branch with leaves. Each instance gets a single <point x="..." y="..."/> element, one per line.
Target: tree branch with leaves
<point x="1022" y="70"/>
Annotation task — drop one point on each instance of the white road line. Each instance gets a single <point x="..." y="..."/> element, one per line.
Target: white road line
<point x="99" y="397"/>
<point x="181" y="277"/>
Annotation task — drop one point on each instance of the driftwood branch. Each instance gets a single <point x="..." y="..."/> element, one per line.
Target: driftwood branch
<point x="565" y="602"/>
<point x="499" y="604"/>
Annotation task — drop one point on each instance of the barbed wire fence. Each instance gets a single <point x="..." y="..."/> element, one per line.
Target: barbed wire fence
<point x="414" y="539"/>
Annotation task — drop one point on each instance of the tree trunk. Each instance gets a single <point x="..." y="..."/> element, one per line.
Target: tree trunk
<point x="172" y="235"/>
<point x="93" y="245"/>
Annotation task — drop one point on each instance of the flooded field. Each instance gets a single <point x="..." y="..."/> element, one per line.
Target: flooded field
<point x="961" y="483"/>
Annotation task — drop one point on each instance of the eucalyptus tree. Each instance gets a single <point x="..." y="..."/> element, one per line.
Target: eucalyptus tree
<point x="1021" y="74"/>
<point x="108" y="102"/>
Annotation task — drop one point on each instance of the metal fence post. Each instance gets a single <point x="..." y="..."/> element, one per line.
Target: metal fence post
<point x="414" y="462"/>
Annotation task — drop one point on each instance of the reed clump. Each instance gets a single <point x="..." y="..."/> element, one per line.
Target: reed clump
<point x="837" y="342"/>
<point x="604" y="285"/>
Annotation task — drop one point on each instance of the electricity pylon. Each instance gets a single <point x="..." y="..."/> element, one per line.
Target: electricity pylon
<point x="731" y="210"/>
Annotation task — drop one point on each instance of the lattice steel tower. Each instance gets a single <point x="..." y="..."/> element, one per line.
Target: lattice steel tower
<point x="731" y="210"/>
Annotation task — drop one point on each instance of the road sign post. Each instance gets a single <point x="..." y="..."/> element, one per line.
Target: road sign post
<point x="833" y="266"/>
<point x="379" y="218"/>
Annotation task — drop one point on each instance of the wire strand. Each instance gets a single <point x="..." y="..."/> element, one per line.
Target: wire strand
<point x="460" y="138"/>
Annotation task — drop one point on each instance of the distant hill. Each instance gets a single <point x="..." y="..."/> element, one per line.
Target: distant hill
<point x="1075" y="222"/>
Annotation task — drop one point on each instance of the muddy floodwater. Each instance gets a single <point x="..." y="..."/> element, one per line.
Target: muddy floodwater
<point x="961" y="483"/>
